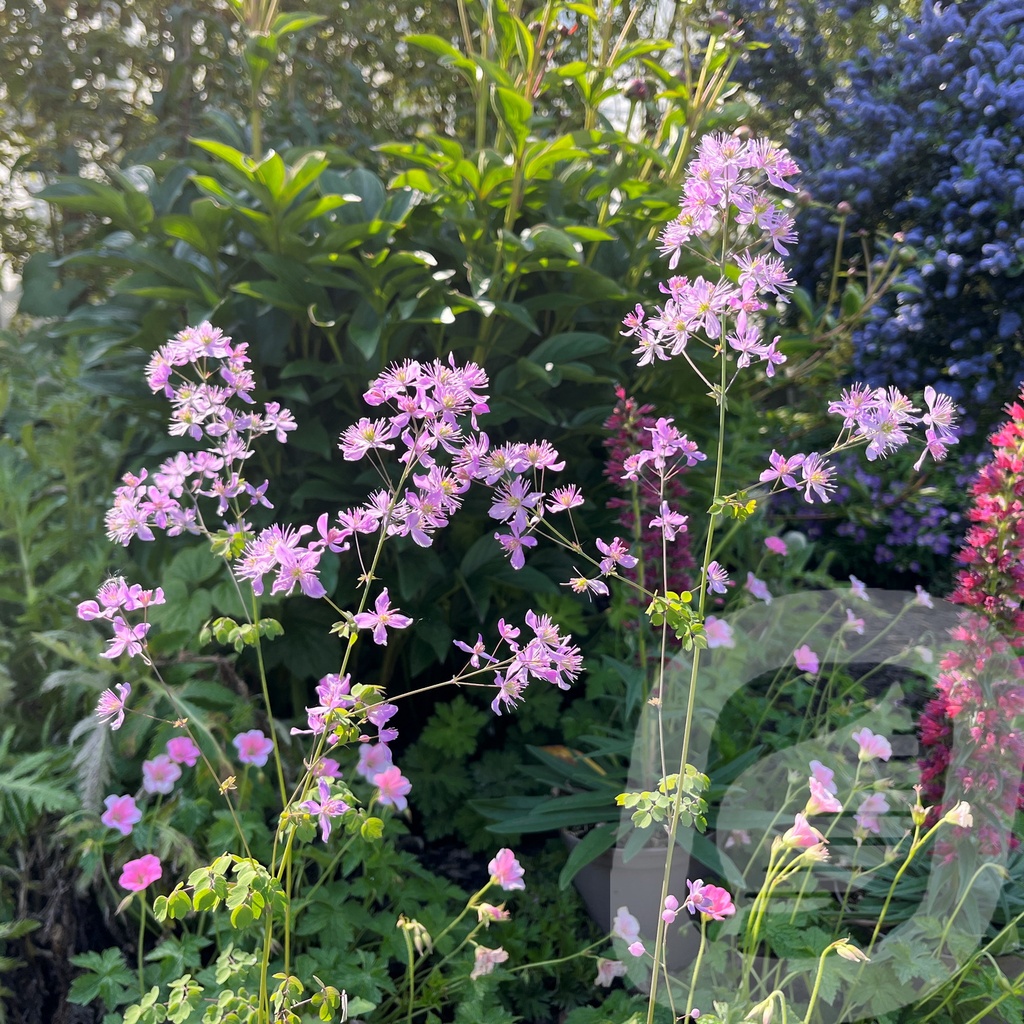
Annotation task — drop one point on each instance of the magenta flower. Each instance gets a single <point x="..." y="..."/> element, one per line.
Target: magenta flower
<point x="182" y="750"/>
<point x="393" y="787"/>
<point x="126" y="640"/>
<point x="718" y="579"/>
<point x="121" y="813"/>
<point x="477" y="651"/>
<point x="253" y="747"/>
<point x="160" y="774"/>
<point x="506" y="871"/>
<point x="776" y="545"/>
<point x="712" y="901"/>
<point x="326" y="808"/>
<point x="636" y="948"/>
<point x="806" y="659"/>
<point x="110" y="706"/>
<point x="872" y="745"/>
<point x="384" y="617"/>
<point x="139" y="873"/>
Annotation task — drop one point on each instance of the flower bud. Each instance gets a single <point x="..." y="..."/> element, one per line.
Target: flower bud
<point x="637" y="91"/>
<point x="850" y="952"/>
<point x="844" y="209"/>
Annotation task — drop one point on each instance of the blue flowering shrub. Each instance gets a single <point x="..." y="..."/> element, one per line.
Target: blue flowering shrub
<point x="926" y="139"/>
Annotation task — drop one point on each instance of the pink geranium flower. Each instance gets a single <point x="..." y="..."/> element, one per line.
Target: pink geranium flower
<point x="160" y="775"/>
<point x="869" y="810"/>
<point x="625" y="926"/>
<point x="253" y="747"/>
<point x="802" y="835"/>
<point x="486" y="960"/>
<point x="506" y="871"/>
<point x="608" y="971"/>
<point x="121" y="813"/>
<point x="776" y="545"/>
<point x="806" y="659"/>
<point x="826" y="776"/>
<point x="139" y="873"/>
<point x="373" y="759"/>
<point x="718" y="632"/>
<point x="393" y="787"/>
<point x="872" y="746"/>
<point x="821" y="801"/>
<point x="182" y="750"/>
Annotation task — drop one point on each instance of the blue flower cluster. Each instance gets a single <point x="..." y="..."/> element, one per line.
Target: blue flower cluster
<point x="927" y="138"/>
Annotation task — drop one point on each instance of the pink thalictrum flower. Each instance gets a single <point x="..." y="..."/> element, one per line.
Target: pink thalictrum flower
<point x="182" y="750"/>
<point x="806" y="659"/>
<point x="872" y="745"/>
<point x="506" y="871"/>
<point x="717" y="579"/>
<point x="110" y="707"/>
<point x="383" y="617"/>
<point x="392" y="788"/>
<point x="160" y="775"/>
<point x="121" y="813"/>
<point x="253" y="747"/>
<point x="139" y="873"/>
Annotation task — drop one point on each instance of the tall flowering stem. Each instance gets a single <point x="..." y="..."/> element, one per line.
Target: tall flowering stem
<point x="980" y="685"/>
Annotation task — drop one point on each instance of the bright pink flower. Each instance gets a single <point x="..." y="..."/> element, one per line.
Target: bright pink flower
<point x="160" y="774"/>
<point x="486" y="960"/>
<point x="821" y="801"/>
<point x="110" y="707"/>
<point x="393" y="787"/>
<point x="183" y="750"/>
<point x="636" y="948"/>
<point x="383" y="617"/>
<point x="806" y="659"/>
<point x="802" y="835"/>
<point x="139" y="873"/>
<point x="776" y="545"/>
<point x="712" y="901"/>
<point x="253" y="747"/>
<point x="506" y="871"/>
<point x="121" y="813"/>
<point x="871" y="745"/>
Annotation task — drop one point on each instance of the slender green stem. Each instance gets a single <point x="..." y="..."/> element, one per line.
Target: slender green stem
<point x="697" y="963"/>
<point x="142" y="945"/>
<point x="410" y="972"/>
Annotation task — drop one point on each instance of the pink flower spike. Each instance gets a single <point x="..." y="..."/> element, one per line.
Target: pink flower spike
<point x="182" y="750"/>
<point x="160" y="775"/>
<point x="383" y="617"/>
<point x="776" y="545"/>
<point x="872" y="745"/>
<point x="121" y="813"/>
<point x="110" y="707"/>
<point x="506" y="871"/>
<point x="253" y="747"/>
<point x="139" y="873"/>
<point x="806" y="659"/>
<point x="392" y="787"/>
<point x="636" y="948"/>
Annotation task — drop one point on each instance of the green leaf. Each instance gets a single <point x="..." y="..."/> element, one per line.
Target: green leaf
<point x="241" y="916"/>
<point x="515" y="112"/>
<point x="365" y="328"/>
<point x="588" y="849"/>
